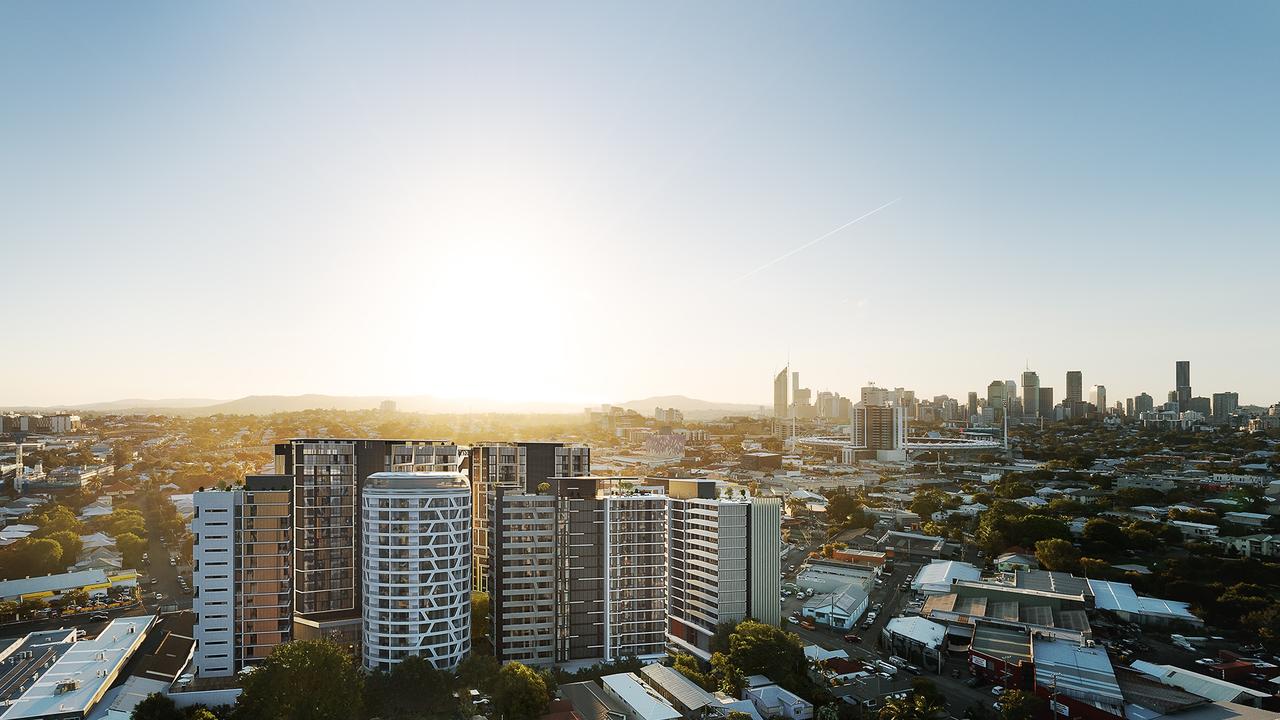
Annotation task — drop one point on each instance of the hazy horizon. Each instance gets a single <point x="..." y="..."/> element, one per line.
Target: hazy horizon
<point x="580" y="204"/>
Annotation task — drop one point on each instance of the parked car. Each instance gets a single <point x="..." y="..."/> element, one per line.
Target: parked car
<point x="159" y="597"/>
<point x="99" y="617"/>
<point x="998" y="690"/>
<point x="851" y="638"/>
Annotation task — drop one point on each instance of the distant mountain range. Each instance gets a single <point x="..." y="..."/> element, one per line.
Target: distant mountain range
<point x="267" y="404"/>
<point x="692" y="408"/>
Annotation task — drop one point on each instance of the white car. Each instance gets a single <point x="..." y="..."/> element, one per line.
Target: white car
<point x="997" y="690"/>
<point x="1206" y="661"/>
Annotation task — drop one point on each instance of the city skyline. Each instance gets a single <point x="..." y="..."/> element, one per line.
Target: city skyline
<point x="197" y="203"/>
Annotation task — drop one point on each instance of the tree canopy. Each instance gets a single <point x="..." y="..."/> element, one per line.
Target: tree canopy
<point x="303" y="680"/>
<point x="520" y="693"/>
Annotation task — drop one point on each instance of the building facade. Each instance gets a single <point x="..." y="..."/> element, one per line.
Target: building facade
<point x="242" y="555"/>
<point x="416" y="568"/>
<point x="722" y="566"/>
<point x="327" y="476"/>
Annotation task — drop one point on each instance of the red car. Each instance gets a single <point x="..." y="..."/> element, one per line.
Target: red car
<point x="851" y="638"/>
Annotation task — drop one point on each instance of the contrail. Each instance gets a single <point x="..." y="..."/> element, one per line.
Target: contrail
<point x="817" y="240"/>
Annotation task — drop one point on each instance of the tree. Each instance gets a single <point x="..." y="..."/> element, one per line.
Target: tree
<point x="687" y="665"/>
<point x="725" y="676"/>
<point x="156" y="707"/>
<point x="412" y="689"/>
<point x="911" y="707"/>
<point x="131" y="547"/>
<point x="1103" y="537"/>
<point x="479" y="614"/>
<point x="29" y="558"/>
<point x="56" y="519"/>
<point x="29" y="607"/>
<point x="201" y="713"/>
<point x="927" y="502"/>
<point x="303" y="680"/>
<point x="478" y="671"/>
<point x="71" y="545"/>
<point x="1057" y="554"/>
<point x="1019" y="705"/>
<point x="519" y="693"/>
<point x="759" y="649"/>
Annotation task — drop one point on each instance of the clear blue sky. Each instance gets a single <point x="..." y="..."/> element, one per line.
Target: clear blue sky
<point x="555" y="201"/>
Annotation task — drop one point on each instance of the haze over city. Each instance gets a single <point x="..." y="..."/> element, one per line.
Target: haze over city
<point x="574" y="204"/>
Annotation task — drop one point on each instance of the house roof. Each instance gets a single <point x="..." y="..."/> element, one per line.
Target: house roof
<point x="645" y="703"/>
<point x="684" y="690"/>
<point x="926" y="632"/>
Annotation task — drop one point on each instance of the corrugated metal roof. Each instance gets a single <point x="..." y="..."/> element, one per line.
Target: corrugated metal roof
<point x="1080" y="671"/>
<point x="685" y="691"/>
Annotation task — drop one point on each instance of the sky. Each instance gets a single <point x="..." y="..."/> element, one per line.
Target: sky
<point x="583" y="202"/>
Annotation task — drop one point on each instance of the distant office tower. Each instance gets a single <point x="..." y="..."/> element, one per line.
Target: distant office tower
<point x="328" y="475"/>
<point x="523" y="466"/>
<point x="996" y="396"/>
<point x="416" y="568"/>
<point x="1224" y="404"/>
<point x="1142" y="403"/>
<point x="1128" y="407"/>
<point x="1046" y="402"/>
<point x="1030" y="394"/>
<point x="973" y="403"/>
<point x="1182" y="383"/>
<point x="723" y="562"/>
<point x="780" y="402"/>
<point x="1010" y="393"/>
<point x="1075" y="386"/>
<point x="881" y="428"/>
<point x="242" y="552"/>
<point x="579" y="574"/>
<point x="1201" y="405"/>
<point x="1098" y="397"/>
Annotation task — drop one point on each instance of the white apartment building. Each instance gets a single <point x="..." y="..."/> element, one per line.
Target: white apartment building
<point x="213" y="531"/>
<point x="722" y="566"/>
<point x="242" y="552"/>
<point x="415" y="567"/>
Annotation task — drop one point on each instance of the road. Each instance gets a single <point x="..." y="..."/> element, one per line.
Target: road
<point x="165" y="576"/>
<point x="959" y="696"/>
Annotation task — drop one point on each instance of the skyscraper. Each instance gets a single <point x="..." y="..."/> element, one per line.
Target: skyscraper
<point x="996" y="397"/>
<point x="525" y="466"/>
<point x="242" y="553"/>
<point x="1075" y="386"/>
<point x="327" y="476"/>
<point x="780" y="402"/>
<point x="578" y="574"/>
<point x="1182" y="383"/>
<point x="1030" y="394"/>
<point x="1225" y="403"/>
<point x="415" y="568"/>
<point x="1098" y="397"/>
<point x="1143" y="403"/>
<point x="723" y="562"/>
<point x="973" y="403"/>
<point x="1046" y="402"/>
